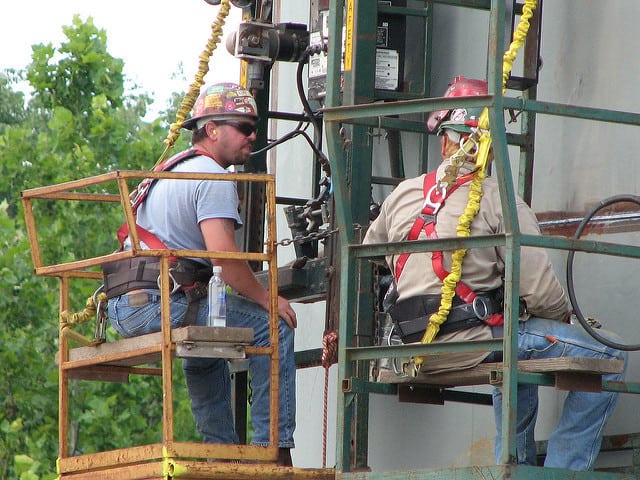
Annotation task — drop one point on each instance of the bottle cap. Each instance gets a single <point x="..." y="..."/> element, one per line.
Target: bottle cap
<point x="217" y="269"/>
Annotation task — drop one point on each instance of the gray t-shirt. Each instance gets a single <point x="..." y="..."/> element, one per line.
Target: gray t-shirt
<point x="174" y="209"/>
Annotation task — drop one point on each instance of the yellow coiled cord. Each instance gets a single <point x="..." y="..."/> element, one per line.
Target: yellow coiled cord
<point x="68" y="319"/>
<point x="194" y="89"/>
<point x="483" y="138"/>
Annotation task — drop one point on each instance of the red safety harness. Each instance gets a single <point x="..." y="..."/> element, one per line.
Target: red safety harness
<point x="426" y="221"/>
<point x="141" y="194"/>
<point x="136" y="273"/>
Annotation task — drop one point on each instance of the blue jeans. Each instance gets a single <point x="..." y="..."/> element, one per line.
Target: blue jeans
<point x="208" y="379"/>
<point x="575" y="442"/>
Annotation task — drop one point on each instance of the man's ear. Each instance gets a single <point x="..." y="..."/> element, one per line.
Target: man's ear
<point x="211" y="129"/>
<point x="443" y="145"/>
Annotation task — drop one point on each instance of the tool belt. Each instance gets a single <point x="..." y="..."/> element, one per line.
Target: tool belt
<point x="137" y="273"/>
<point x="411" y="316"/>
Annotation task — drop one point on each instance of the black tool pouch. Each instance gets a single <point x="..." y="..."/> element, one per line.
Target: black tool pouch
<point x="130" y="274"/>
<point x="142" y="273"/>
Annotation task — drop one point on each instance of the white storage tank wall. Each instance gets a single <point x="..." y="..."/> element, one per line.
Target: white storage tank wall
<point x="588" y="54"/>
<point x="293" y="164"/>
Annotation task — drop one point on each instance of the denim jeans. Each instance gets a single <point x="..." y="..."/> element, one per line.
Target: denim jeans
<point x="575" y="441"/>
<point x="208" y="379"/>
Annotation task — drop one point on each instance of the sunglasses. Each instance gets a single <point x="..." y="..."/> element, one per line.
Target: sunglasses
<point x="245" y="128"/>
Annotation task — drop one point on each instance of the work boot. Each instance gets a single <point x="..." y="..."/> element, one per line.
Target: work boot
<point x="284" y="457"/>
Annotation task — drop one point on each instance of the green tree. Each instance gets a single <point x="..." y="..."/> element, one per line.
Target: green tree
<point x="11" y="103"/>
<point x="85" y="71"/>
<point x="78" y="123"/>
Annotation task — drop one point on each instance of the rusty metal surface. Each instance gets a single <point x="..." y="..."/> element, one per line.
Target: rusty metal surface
<point x="619" y="218"/>
<point x="157" y="460"/>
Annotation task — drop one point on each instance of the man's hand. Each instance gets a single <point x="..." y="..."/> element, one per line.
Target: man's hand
<point x="286" y="312"/>
<point x="219" y="235"/>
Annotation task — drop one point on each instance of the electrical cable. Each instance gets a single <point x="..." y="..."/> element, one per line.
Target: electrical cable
<point x="300" y="130"/>
<point x="324" y="161"/>
<point x="570" y="286"/>
<point x="288" y="136"/>
<point x="300" y="87"/>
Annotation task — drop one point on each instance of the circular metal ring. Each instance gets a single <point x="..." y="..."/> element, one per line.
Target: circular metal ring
<point x="474" y="147"/>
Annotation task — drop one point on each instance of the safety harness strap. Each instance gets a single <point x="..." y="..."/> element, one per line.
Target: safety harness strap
<point x="143" y="191"/>
<point x="132" y="274"/>
<point x="470" y="309"/>
<point x="411" y="315"/>
<point x="434" y="200"/>
<point x="143" y="272"/>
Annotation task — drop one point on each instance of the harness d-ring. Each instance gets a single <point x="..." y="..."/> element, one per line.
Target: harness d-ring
<point x="474" y="149"/>
<point x="176" y="285"/>
<point x="480" y="308"/>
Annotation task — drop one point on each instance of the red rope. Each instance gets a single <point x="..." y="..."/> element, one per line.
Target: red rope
<point x="329" y="349"/>
<point x="329" y="357"/>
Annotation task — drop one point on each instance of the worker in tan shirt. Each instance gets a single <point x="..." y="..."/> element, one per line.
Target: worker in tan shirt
<point x="544" y="331"/>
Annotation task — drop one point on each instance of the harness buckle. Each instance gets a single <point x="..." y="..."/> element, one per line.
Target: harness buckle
<point x="480" y="308"/>
<point x="428" y="218"/>
<point x="434" y="206"/>
<point x="473" y="152"/>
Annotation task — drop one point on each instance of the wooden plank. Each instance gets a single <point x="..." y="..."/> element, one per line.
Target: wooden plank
<point x="123" y="353"/>
<point x="121" y="349"/>
<point x="192" y="341"/>
<point x="239" y="336"/>
<point x="578" y="381"/>
<point x="481" y="374"/>
<point x="111" y="373"/>
<point x="569" y="364"/>
<point x="212" y="342"/>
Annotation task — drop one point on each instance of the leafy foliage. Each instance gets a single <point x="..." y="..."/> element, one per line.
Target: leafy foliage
<point x="78" y="123"/>
<point x="84" y="72"/>
<point x="11" y="103"/>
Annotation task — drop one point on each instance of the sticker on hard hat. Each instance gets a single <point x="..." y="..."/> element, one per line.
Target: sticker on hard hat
<point x="212" y="102"/>
<point x="458" y="115"/>
<point x="216" y="89"/>
<point x="240" y="105"/>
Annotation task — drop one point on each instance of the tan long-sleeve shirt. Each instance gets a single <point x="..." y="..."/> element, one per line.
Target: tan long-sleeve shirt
<point x="482" y="268"/>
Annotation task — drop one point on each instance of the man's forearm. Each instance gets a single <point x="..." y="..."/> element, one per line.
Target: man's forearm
<point x="239" y="276"/>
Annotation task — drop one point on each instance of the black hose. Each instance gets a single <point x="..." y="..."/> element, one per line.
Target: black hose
<point x="299" y="130"/>
<point x="311" y="115"/>
<point x="572" y="297"/>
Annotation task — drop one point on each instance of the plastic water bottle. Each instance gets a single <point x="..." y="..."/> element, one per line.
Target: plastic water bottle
<point x="217" y="300"/>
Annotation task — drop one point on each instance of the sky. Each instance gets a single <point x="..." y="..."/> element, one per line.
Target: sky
<point x="157" y="39"/>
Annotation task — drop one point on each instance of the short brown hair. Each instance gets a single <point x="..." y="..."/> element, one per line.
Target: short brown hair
<point x="198" y="135"/>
